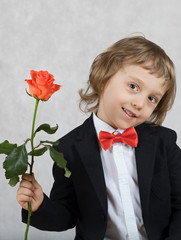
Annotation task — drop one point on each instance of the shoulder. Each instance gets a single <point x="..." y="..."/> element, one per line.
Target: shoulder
<point x="164" y="133"/>
<point x="68" y="140"/>
<point x="160" y="130"/>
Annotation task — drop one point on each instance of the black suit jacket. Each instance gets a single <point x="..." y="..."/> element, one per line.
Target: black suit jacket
<point x="81" y="200"/>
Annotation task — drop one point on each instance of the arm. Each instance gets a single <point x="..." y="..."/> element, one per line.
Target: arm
<point x="174" y="164"/>
<point x="58" y="212"/>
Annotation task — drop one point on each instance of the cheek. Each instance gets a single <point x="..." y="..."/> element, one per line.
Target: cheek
<point x="148" y="112"/>
<point x="108" y="99"/>
<point x="114" y="103"/>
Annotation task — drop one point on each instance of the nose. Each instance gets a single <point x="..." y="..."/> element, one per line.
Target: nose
<point x="138" y="102"/>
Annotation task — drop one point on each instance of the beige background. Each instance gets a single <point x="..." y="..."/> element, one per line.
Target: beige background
<point x="64" y="37"/>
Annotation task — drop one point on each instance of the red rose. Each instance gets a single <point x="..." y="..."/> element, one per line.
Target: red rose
<point x="41" y="85"/>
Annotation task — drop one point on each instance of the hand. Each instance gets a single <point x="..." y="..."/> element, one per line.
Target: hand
<point x="29" y="190"/>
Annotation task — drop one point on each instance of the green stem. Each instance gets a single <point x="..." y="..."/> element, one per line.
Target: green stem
<point x="32" y="136"/>
<point x="31" y="165"/>
<point x="28" y="221"/>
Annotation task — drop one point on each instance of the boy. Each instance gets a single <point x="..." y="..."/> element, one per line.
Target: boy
<point x="126" y="185"/>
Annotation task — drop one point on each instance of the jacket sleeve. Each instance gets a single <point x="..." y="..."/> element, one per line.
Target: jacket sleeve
<point x="174" y="165"/>
<point x="57" y="213"/>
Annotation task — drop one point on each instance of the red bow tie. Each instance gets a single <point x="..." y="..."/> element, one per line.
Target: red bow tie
<point x="129" y="137"/>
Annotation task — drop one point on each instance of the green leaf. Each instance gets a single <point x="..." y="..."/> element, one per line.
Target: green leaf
<point x="6" y="147"/>
<point x="67" y="172"/>
<point x="16" y="162"/>
<point x="13" y="181"/>
<point x="58" y="157"/>
<point x="60" y="161"/>
<point x="46" y="127"/>
<point x="50" y="142"/>
<point x="38" y="152"/>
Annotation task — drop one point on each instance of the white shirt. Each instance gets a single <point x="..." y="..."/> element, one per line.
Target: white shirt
<point x="124" y="210"/>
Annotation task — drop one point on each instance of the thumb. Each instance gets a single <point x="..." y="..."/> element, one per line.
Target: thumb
<point x="34" y="181"/>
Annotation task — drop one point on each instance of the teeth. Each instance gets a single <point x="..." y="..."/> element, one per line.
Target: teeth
<point x="128" y="112"/>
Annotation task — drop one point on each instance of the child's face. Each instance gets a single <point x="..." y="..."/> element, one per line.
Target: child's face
<point x="130" y="97"/>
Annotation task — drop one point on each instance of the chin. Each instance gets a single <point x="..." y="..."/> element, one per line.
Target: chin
<point x="125" y="126"/>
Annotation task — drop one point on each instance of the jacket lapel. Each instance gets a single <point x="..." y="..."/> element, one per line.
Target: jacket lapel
<point x="88" y="148"/>
<point x="145" y="160"/>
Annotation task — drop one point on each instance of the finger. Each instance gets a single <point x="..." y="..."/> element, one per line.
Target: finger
<point x="34" y="182"/>
<point x="21" y="198"/>
<point x="31" y="179"/>
<point x="26" y="184"/>
<point x="24" y="205"/>
<point x="27" y="177"/>
<point x="23" y="201"/>
<point x="25" y="191"/>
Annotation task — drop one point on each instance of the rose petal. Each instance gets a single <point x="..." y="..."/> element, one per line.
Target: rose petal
<point x="34" y="91"/>
<point x="54" y="88"/>
<point x="33" y="74"/>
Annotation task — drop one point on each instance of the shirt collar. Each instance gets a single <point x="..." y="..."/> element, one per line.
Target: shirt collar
<point x="103" y="126"/>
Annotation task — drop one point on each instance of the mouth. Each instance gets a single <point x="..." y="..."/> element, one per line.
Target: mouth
<point x="129" y="113"/>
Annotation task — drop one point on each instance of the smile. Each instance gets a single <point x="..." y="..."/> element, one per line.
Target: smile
<point x="129" y="113"/>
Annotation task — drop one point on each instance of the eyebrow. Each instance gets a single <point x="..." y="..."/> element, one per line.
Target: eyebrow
<point x="158" y="93"/>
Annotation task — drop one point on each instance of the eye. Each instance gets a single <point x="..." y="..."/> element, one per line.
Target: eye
<point x="133" y="86"/>
<point x="153" y="99"/>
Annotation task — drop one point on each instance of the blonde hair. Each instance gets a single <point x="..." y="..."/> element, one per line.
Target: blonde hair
<point x="135" y="50"/>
